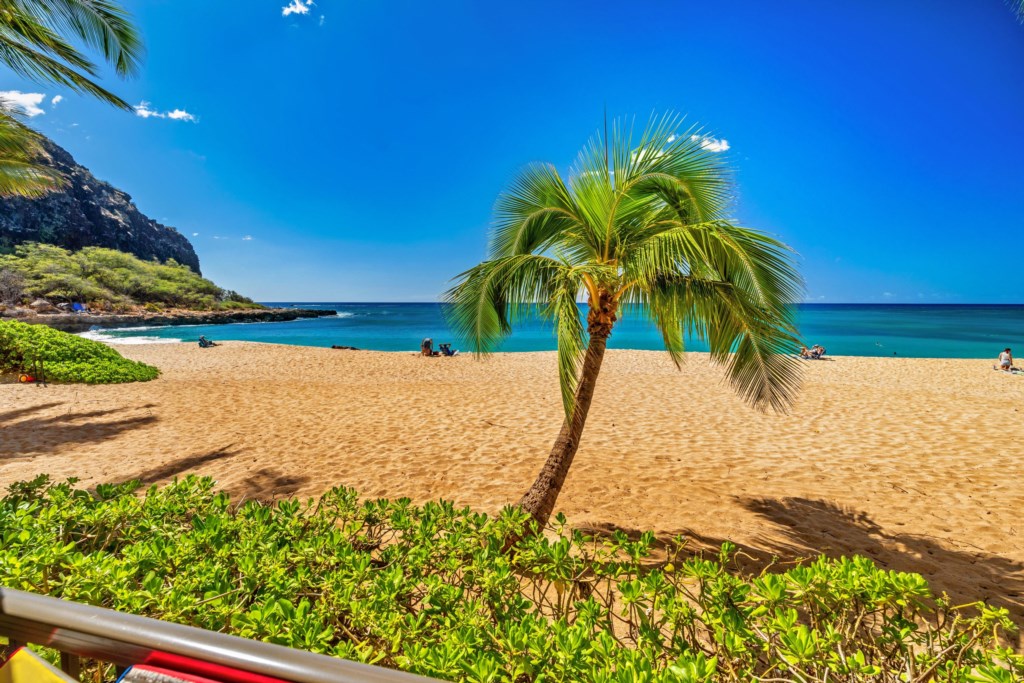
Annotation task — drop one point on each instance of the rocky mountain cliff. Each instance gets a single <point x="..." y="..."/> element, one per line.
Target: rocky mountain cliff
<point x="89" y="213"/>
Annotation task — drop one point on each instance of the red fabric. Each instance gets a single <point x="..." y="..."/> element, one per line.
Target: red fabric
<point x="217" y="672"/>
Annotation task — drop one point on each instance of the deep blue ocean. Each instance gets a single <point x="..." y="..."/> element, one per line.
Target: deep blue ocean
<point x="934" y="331"/>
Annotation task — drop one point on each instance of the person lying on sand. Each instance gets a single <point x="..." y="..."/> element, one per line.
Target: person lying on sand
<point x="1005" y="361"/>
<point x="205" y="343"/>
<point x="446" y="349"/>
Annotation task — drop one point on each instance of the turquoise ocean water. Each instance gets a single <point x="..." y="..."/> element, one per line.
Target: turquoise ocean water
<point x="935" y="331"/>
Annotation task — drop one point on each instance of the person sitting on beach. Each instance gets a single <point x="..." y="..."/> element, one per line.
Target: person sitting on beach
<point x="446" y="349"/>
<point x="427" y="347"/>
<point x="814" y="353"/>
<point x="1005" y="361"/>
<point x="205" y="343"/>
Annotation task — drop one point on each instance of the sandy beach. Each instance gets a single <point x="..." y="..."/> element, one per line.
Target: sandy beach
<point x="916" y="463"/>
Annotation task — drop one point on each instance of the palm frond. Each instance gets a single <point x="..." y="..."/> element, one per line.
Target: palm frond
<point x="534" y="212"/>
<point x="488" y="298"/>
<point x="21" y="175"/>
<point x="572" y="338"/>
<point x="101" y="24"/>
<point x="755" y="344"/>
<point x="34" y="42"/>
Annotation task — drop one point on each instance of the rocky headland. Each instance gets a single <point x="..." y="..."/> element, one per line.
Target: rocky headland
<point x="87" y="212"/>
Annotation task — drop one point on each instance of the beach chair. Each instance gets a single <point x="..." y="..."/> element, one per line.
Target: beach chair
<point x="152" y="651"/>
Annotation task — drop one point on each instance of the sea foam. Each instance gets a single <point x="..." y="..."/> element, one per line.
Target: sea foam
<point x="106" y="338"/>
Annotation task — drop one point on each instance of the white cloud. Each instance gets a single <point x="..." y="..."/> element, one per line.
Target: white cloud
<point x="247" y="238"/>
<point x="57" y="99"/>
<point x="887" y="294"/>
<point x="181" y="115"/>
<point x="195" y="234"/>
<point x="146" y="111"/>
<point x="711" y="144"/>
<point x="322" y="19"/>
<point x="297" y="7"/>
<point x="27" y="102"/>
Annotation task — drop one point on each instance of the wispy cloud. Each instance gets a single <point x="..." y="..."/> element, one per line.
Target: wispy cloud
<point x="146" y="111"/>
<point x="27" y="102"/>
<point x="711" y="144"/>
<point x="247" y="238"/>
<point x="57" y="99"/>
<point x="297" y="7"/>
<point x="322" y="19"/>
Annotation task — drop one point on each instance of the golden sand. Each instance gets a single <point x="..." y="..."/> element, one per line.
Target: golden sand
<point x="915" y="463"/>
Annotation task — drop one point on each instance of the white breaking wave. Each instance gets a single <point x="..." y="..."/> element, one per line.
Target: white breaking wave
<point x="103" y="336"/>
<point x="344" y="314"/>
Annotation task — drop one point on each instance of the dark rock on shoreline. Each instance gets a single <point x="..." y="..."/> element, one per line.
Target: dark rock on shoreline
<point x="77" y="322"/>
<point x="88" y="212"/>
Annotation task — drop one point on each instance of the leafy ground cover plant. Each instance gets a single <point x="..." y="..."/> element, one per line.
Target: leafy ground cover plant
<point x="430" y="590"/>
<point x="66" y="357"/>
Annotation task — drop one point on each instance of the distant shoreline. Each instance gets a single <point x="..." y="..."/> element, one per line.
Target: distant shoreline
<point x="82" y="322"/>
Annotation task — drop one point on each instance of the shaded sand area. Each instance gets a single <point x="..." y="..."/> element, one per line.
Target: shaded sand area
<point x="916" y="463"/>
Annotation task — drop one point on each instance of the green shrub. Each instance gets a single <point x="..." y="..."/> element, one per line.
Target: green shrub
<point x="66" y="357"/>
<point x="430" y="589"/>
<point x="106" y="275"/>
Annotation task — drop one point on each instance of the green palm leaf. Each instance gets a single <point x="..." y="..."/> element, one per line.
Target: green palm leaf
<point x="20" y="174"/>
<point x="648" y="225"/>
<point x="34" y="42"/>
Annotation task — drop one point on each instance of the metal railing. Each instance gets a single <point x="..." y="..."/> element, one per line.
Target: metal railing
<point x="84" y="631"/>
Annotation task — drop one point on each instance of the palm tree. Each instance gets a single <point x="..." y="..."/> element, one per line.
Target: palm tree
<point x="34" y="43"/>
<point x="642" y="227"/>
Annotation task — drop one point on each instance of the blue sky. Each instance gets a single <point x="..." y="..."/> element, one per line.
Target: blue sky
<point x="353" y="152"/>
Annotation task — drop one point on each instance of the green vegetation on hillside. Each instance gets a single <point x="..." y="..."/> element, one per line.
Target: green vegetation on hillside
<point x="431" y="590"/>
<point x="66" y="357"/>
<point x="112" y="280"/>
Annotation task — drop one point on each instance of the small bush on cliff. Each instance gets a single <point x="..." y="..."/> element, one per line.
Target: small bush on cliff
<point x="114" y="278"/>
<point x="431" y="589"/>
<point x="65" y="357"/>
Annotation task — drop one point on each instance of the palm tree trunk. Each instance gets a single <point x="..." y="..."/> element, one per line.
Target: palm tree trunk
<point x="539" y="501"/>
